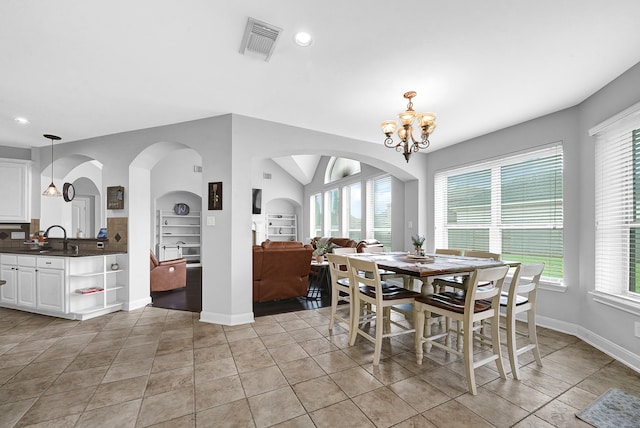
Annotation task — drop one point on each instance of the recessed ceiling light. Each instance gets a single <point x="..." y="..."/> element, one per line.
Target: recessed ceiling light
<point x="22" y="120"/>
<point x="302" y="39"/>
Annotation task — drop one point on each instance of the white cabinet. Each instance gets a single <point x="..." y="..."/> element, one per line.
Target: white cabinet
<point x="282" y="227"/>
<point x="50" y="284"/>
<point x="68" y="287"/>
<point x="9" y="291"/>
<point x="34" y="282"/>
<point x="20" y="274"/>
<point x="26" y="281"/>
<point x="16" y="198"/>
<point x="179" y="236"/>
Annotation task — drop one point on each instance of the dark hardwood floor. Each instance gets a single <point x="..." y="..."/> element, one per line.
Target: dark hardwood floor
<point x="183" y="299"/>
<point x="190" y="298"/>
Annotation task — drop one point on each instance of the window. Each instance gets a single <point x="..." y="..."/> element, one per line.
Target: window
<point x="339" y="168"/>
<point x="333" y="212"/>
<point x="316" y="215"/>
<point x="352" y="200"/>
<point x="379" y="210"/>
<point x="512" y="206"/>
<point x="617" y="197"/>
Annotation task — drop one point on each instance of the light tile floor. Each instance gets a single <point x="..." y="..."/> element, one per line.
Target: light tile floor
<point x="159" y="367"/>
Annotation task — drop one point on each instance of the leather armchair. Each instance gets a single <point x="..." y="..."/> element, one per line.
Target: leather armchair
<point x="168" y="274"/>
<point x="280" y="270"/>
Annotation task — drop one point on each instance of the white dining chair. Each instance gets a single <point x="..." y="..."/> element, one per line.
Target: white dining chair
<point x="519" y="298"/>
<point x="476" y="305"/>
<point x="379" y="297"/>
<point x="340" y="291"/>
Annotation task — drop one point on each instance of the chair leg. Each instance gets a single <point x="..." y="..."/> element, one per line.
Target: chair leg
<point x="386" y="320"/>
<point x="419" y="321"/>
<point x="334" y="307"/>
<point x="495" y="344"/>
<point x="533" y="337"/>
<point x="355" y="319"/>
<point x="380" y="326"/>
<point x="467" y="352"/>
<point x="512" y="345"/>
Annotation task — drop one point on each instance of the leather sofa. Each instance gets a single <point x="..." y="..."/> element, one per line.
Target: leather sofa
<point x="280" y="270"/>
<point x="367" y="243"/>
<point x="333" y="242"/>
<point x="167" y="274"/>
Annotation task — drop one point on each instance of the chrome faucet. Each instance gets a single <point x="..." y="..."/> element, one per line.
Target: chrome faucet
<point x="65" y="241"/>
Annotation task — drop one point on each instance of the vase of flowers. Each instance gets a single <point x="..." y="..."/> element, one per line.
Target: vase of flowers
<point x="319" y="252"/>
<point x="418" y="242"/>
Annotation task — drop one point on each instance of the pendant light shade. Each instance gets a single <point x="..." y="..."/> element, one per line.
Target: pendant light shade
<point x="52" y="190"/>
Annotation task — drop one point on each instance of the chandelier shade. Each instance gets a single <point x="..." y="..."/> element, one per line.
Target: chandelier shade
<point x="408" y="144"/>
<point x="51" y="190"/>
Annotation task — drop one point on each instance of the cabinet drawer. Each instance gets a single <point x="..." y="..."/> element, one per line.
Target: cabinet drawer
<point x="51" y="262"/>
<point x="8" y="259"/>
<point x="27" y="261"/>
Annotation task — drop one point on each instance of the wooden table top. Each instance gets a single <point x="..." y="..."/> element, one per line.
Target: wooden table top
<point x="431" y="264"/>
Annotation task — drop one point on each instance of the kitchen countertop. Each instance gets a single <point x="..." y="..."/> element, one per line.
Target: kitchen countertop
<point x="59" y="253"/>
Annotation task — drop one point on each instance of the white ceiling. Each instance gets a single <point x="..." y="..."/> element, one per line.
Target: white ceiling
<point x="80" y="68"/>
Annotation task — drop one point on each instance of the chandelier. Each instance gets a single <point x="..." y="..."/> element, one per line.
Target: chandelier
<point x="52" y="190"/>
<point x="407" y="144"/>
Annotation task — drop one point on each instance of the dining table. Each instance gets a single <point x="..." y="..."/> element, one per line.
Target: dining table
<point x="426" y="267"/>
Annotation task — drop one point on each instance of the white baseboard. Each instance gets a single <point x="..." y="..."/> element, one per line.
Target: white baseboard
<point x="136" y="304"/>
<point x="621" y="354"/>
<point x="226" y="319"/>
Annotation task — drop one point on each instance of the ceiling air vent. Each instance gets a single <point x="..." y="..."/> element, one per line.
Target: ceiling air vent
<point x="259" y="39"/>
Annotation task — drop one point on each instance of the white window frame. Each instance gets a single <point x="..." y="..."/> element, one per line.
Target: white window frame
<point x="495" y="228"/>
<point x="614" y="198"/>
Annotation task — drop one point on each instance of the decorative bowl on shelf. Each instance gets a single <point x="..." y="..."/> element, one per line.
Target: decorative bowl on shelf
<point x="181" y="209"/>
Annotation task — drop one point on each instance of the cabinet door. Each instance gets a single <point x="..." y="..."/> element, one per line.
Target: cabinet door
<point x="8" y="291"/>
<point x="50" y="289"/>
<point x="26" y="287"/>
<point x="16" y="198"/>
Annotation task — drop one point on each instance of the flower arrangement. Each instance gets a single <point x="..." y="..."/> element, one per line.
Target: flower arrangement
<point x="320" y="250"/>
<point x="417" y="241"/>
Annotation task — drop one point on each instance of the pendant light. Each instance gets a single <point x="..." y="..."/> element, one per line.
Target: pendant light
<point x="52" y="190"/>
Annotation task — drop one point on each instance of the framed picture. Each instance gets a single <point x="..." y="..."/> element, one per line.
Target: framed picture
<point x="115" y="198"/>
<point x="215" y="195"/>
<point x="256" y="201"/>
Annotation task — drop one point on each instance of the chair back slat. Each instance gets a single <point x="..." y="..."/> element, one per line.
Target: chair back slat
<point x="344" y="250"/>
<point x="338" y="267"/>
<point x="448" y="252"/>
<point x="491" y="279"/>
<point x="525" y="281"/>
<point x="482" y="255"/>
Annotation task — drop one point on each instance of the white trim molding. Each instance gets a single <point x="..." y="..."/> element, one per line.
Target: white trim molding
<point x="226" y="319"/>
<point x="616" y="352"/>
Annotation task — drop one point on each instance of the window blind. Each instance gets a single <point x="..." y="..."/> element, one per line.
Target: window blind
<point x="353" y="210"/>
<point x="617" y="188"/>
<point x="512" y="206"/>
<point x="316" y="215"/>
<point x="333" y="212"/>
<point x="379" y="210"/>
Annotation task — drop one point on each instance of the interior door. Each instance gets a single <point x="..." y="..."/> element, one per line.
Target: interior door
<point x="80" y="219"/>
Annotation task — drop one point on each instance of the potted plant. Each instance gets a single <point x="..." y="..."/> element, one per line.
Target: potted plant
<point x="417" y="242"/>
<point x="319" y="252"/>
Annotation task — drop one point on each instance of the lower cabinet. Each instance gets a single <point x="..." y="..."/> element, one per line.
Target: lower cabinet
<point x="50" y="290"/>
<point x="9" y="291"/>
<point x="69" y="287"/>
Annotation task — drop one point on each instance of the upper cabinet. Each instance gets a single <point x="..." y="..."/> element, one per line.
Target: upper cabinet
<point x="15" y="191"/>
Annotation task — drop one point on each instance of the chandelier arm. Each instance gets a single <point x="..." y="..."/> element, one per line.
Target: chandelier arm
<point x="389" y="143"/>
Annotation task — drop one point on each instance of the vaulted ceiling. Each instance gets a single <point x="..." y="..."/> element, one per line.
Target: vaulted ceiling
<point x="82" y="69"/>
